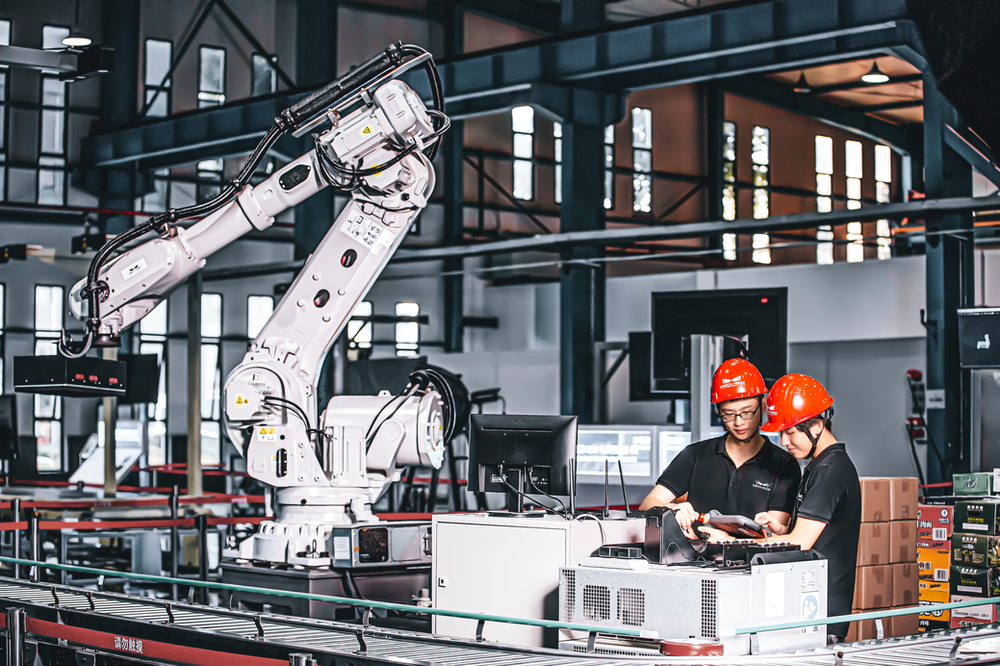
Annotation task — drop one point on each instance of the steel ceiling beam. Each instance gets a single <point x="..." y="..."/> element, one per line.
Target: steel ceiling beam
<point x="722" y="43"/>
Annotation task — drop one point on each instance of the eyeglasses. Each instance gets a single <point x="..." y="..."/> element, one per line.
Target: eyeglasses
<point x="746" y="416"/>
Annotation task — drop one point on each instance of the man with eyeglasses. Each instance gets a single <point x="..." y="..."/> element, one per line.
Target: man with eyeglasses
<point x="739" y="473"/>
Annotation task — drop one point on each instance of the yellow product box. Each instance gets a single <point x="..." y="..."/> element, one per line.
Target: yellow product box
<point x="932" y="592"/>
<point x="934" y="564"/>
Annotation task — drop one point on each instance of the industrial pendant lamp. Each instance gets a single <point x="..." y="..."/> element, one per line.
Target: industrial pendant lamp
<point x="875" y="75"/>
<point x="802" y="86"/>
<point x="76" y="39"/>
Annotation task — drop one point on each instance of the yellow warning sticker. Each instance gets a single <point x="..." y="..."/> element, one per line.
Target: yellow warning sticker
<point x="367" y="130"/>
<point x="241" y="401"/>
<point x="265" y="431"/>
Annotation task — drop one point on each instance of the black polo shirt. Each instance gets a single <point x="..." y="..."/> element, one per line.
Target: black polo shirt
<point x="831" y="493"/>
<point x="766" y="482"/>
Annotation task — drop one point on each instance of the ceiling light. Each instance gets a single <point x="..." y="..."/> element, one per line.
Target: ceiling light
<point x="875" y="75"/>
<point x="802" y="86"/>
<point x="76" y="40"/>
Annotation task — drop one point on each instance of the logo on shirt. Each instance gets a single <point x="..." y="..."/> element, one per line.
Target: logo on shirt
<point x="760" y="484"/>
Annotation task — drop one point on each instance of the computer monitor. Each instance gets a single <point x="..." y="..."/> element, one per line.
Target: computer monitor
<point x="521" y="455"/>
<point x="9" y="446"/>
<point x="979" y="338"/>
<point x="755" y="319"/>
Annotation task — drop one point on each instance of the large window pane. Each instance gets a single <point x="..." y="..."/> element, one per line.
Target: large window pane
<point x="212" y="77"/>
<point x="48" y="440"/>
<point x="52" y="36"/>
<point x="824" y="155"/>
<point x="523" y="177"/>
<point x="210" y="380"/>
<point x="264" y="77"/>
<point x="211" y="443"/>
<point x="854" y="162"/>
<point x="259" y="309"/>
<point x="883" y="164"/>
<point x="523" y="119"/>
<point x="155" y="323"/>
<point x="360" y="332"/>
<point x="407" y="333"/>
<point x="158" y="56"/>
<point x="53" y="131"/>
<point x="48" y="308"/>
<point x="211" y="315"/>
<point x="642" y="128"/>
<point x="159" y="107"/>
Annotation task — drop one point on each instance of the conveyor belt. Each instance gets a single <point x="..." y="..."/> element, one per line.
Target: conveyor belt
<point x="225" y="633"/>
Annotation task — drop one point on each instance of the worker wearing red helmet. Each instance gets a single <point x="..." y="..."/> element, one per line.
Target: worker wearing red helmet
<point x="739" y="473"/>
<point x="827" y="512"/>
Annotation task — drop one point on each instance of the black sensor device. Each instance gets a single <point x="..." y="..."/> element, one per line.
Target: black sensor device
<point x="83" y="377"/>
<point x="979" y="337"/>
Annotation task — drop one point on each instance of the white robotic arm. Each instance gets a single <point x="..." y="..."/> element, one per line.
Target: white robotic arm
<point x="329" y="468"/>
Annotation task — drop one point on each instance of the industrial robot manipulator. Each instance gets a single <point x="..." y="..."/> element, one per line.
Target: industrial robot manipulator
<point x="374" y="140"/>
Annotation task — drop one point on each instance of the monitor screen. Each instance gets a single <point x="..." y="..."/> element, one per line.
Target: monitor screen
<point x="979" y="338"/>
<point x="633" y="447"/>
<point x="540" y="445"/>
<point x="752" y="318"/>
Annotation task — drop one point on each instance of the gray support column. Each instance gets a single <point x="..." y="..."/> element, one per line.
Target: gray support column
<point x="315" y="64"/>
<point x="120" y="103"/>
<point x="194" y="385"/>
<point x="715" y="115"/>
<point x="453" y="152"/>
<point x="950" y="286"/>
<point x="578" y="15"/>
<point x="581" y="287"/>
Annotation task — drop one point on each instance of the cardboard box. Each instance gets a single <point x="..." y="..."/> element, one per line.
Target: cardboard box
<point x="986" y="613"/>
<point x="975" y="550"/>
<point x="977" y="516"/>
<point x="901" y="625"/>
<point x="902" y="541"/>
<point x="874" y="544"/>
<point x="865" y="630"/>
<point x="976" y="483"/>
<point x="934" y="563"/>
<point x="964" y="622"/>
<point x="932" y="593"/>
<point x="930" y="590"/>
<point x="902" y="498"/>
<point x="873" y="588"/>
<point x="934" y="525"/>
<point x="975" y="582"/>
<point x="874" y="499"/>
<point x="905" y="591"/>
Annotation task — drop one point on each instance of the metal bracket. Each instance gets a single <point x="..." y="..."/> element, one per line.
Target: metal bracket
<point x="879" y="629"/>
<point x="754" y="643"/>
<point x="479" y="630"/>
<point x="170" y="613"/>
<point x="363" y="647"/>
<point x="927" y="323"/>
<point x="86" y="658"/>
<point x="100" y="583"/>
<point x="366" y="618"/>
<point x="90" y="600"/>
<point x="260" y="627"/>
<point x="839" y="661"/>
<point x="30" y="652"/>
<point x="191" y="594"/>
<point x="231" y="598"/>
<point x="953" y="655"/>
<point x="591" y="642"/>
<point x="55" y="597"/>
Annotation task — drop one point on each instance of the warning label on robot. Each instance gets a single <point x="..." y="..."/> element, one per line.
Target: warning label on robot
<point x="267" y="435"/>
<point x="367" y="130"/>
<point x="241" y="401"/>
<point x="363" y="230"/>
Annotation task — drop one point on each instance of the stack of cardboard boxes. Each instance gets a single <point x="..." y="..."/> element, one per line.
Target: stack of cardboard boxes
<point x="887" y="573"/>
<point x="975" y="560"/>
<point x="934" y="532"/>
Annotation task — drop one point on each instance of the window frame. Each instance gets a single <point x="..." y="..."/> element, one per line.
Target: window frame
<point x="523" y="162"/>
<point x="42" y="155"/>
<point x="638" y="176"/>
<point x="215" y="402"/>
<point x="58" y="412"/>
<point x="761" y="242"/>
<point x="163" y="90"/>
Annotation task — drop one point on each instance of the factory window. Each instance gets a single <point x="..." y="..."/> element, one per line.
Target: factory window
<point x="407" y="332"/>
<point x="557" y="152"/>
<point x="48" y="408"/>
<point x="642" y="160"/>
<point x="211" y="378"/>
<point x="211" y="76"/>
<point x="152" y="339"/>
<point x="159" y="53"/>
<point x="359" y="331"/>
<point x="883" y="182"/>
<point x="52" y="134"/>
<point x="259" y="309"/>
<point x="854" y="171"/>
<point x="523" y="124"/>
<point x="209" y="179"/>
<point x="609" y="166"/>
<point x="760" y="156"/>
<point x="824" y="197"/>
<point x="265" y="80"/>
<point x="4" y="41"/>
<point x="729" y="252"/>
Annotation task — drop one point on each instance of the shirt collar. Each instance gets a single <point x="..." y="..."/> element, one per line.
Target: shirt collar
<point x="763" y="454"/>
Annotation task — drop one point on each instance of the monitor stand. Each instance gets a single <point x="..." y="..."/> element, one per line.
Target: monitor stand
<point x="515" y="495"/>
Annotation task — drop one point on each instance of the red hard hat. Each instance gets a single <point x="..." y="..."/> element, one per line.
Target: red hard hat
<point x="794" y="399"/>
<point x="736" y="379"/>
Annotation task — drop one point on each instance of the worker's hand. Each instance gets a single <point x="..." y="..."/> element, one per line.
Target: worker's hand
<point x="770" y="522"/>
<point x="685" y="514"/>
<point x="715" y="535"/>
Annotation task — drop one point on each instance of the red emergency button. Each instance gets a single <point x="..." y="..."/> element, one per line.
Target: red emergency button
<point x="79" y="377"/>
<point x="93" y="378"/>
<point x="113" y="381"/>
